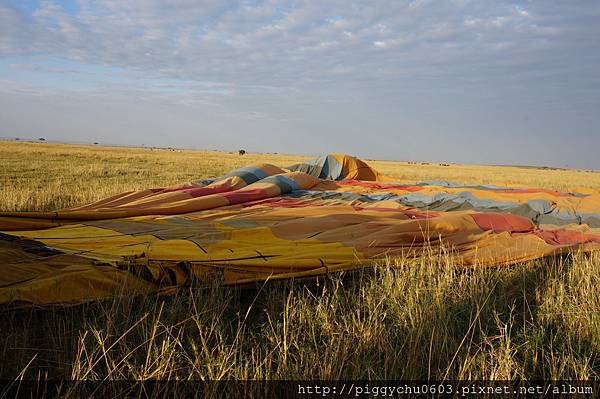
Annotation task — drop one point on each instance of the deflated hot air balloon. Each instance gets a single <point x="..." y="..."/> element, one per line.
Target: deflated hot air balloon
<point x="263" y="222"/>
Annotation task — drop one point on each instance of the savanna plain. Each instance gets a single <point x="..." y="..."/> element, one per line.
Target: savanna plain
<point x="399" y="319"/>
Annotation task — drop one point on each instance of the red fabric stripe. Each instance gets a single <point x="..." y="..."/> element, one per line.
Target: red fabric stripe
<point x="500" y="222"/>
<point x="566" y="237"/>
<point x="277" y="202"/>
<point x="238" y="197"/>
<point x="197" y="191"/>
<point x="377" y="186"/>
<point x="202" y="191"/>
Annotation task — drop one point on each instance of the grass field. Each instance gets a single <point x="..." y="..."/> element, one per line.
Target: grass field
<point x="402" y="319"/>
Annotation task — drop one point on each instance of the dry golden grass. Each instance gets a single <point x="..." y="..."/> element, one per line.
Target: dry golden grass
<point x="40" y="176"/>
<point x="403" y="319"/>
<point x="556" y="179"/>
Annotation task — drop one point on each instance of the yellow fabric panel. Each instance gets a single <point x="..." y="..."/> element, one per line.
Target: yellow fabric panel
<point x="61" y="279"/>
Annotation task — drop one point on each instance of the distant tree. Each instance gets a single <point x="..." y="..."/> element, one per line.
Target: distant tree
<point x="241" y="152"/>
<point x="17" y="139"/>
<point x="95" y="143"/>
<point x="42" y="139"/>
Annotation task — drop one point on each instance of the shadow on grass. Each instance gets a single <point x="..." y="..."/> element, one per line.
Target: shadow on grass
<point x="416" y="321"/>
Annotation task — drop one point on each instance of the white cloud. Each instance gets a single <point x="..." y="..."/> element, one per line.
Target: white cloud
<point x="305" y="54"/>
<point x="272" y="39"/>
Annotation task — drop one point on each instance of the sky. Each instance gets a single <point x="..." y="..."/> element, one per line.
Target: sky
<point x="486" y="82"/>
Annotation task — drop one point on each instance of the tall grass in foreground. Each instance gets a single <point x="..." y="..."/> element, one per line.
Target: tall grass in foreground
<point x="404" y="319"/>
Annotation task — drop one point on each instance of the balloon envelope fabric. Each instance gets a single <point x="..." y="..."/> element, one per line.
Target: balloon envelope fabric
<point x="263" y="223"/>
